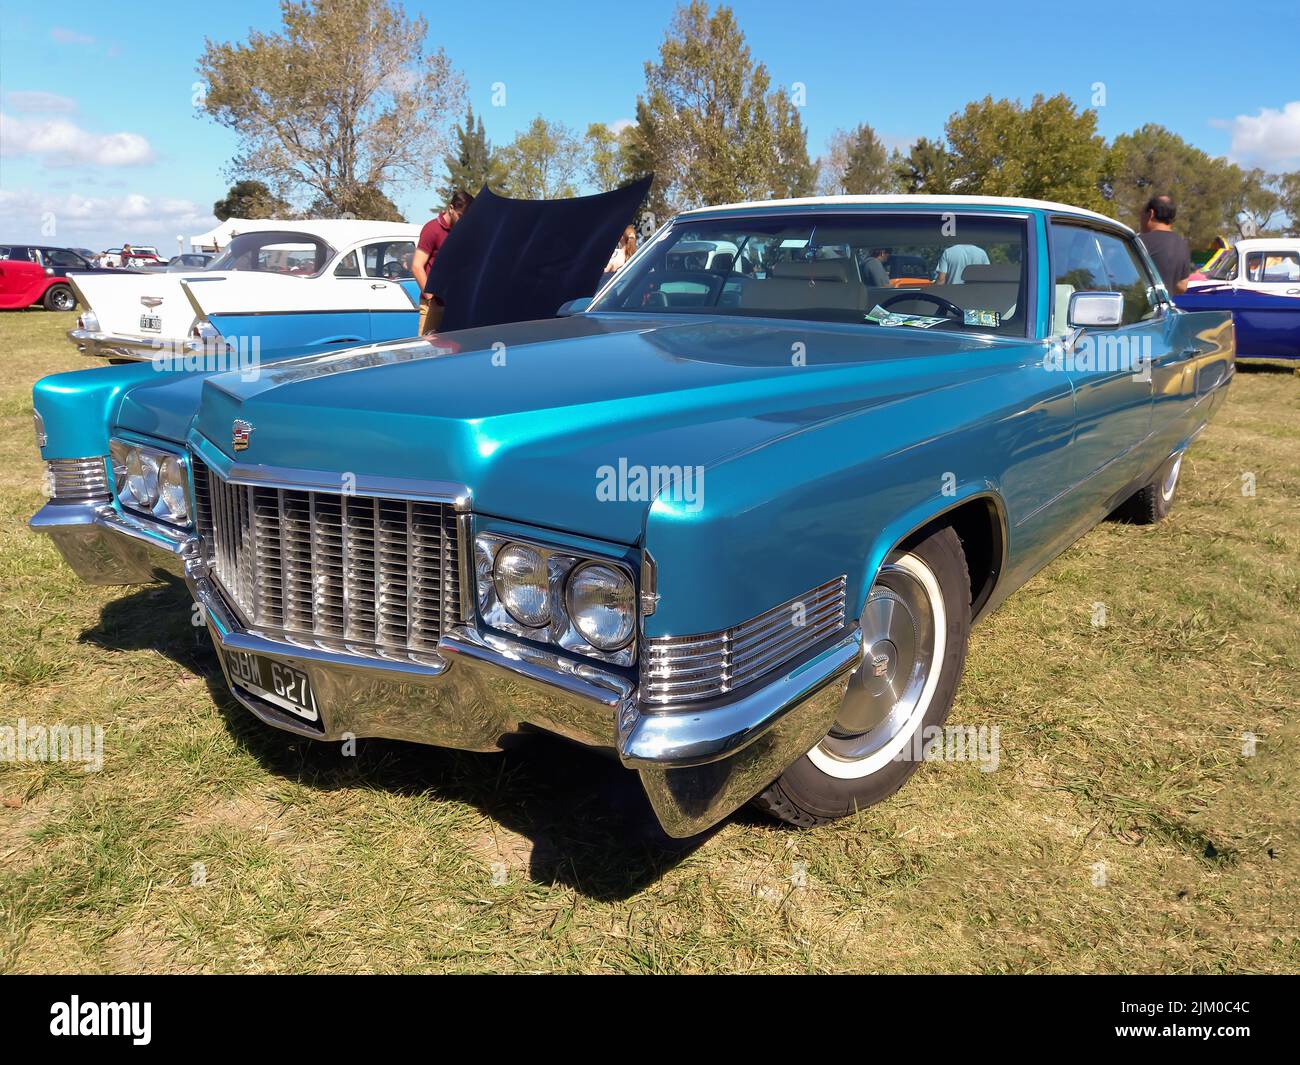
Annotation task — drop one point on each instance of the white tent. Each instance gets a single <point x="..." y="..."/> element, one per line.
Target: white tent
<point x="216" y="240"/>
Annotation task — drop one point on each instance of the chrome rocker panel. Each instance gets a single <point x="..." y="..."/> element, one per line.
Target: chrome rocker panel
<point x="697" y="765"/>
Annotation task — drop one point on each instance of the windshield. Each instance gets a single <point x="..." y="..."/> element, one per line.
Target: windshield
<point x="1223" y="270"/>
<point x="279" y="252"/>
<point x="936" y="271"/>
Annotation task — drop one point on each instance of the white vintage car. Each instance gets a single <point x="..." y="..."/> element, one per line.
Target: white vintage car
<point x="1261" y="264"/>
<point x="288" y="287"/>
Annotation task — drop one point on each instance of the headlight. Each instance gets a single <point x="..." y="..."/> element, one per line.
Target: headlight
<point x="580" y="603"/>
<point x="150" y="481"/>
<point x="602" y="604"/>
<point x="520" y="578"/>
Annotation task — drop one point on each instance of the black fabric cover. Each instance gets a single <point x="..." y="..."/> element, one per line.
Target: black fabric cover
<point x="514" y="260"/>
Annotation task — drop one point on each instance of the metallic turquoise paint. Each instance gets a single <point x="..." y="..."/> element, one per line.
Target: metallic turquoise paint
<point x="810" y="470"/>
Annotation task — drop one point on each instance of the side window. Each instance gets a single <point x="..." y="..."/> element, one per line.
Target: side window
<point x="68" y="260"/>
<point x="390" y="259"/>
<point x="1127" y="274"/>
<point x="1273" y="266"/>
<point x="1077" y="266"/>
<point x="347" y="266"/>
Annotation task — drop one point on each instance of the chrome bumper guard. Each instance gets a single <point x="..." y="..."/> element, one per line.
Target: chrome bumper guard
<point x="138" y="349"/>
<point x="697" y="765"/>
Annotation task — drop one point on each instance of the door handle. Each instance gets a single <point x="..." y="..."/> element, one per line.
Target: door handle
<point x="377" y="287"/>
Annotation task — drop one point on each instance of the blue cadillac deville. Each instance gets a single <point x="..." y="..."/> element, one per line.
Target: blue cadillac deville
<point x="730" y="521"/>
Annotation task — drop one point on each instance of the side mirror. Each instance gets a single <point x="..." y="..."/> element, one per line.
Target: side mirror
<point x="1095" y="310"/>
<point x="573" y="307"/>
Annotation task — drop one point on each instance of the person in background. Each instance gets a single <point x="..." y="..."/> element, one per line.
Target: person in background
<point x="873" y="270"/>
<point x="432" y="237"/>
<point x="1167" y="249"/>
<point x="125" y="258"/>
<point x="955" y="259"/>
<point x="623" y="251"/>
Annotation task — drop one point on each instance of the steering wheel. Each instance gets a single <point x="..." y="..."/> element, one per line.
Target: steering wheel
<point x="945" y="306"/>
<point x="392" y="270"/>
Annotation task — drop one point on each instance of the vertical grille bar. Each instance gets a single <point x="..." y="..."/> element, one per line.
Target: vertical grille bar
<point x="372" y="575"/>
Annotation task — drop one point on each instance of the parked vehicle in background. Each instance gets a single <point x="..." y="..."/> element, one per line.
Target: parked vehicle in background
<point x="297" y="287"/>
<point x="56" y="264"/>
<point x="731" y="520"/>
<point x="1261" y="264"/>
<point x="24" y="283"/>
<point x="185" y="262"/>
<point x="1258" y="281"/>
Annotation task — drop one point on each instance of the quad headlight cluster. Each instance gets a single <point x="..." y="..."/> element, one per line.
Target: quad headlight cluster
<point x="150" y="481"/>
<point x="582" y="604"/>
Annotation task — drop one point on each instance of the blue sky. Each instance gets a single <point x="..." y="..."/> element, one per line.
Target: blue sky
<point x="101" y="140"/>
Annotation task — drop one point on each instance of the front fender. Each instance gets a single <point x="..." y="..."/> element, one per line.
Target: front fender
<point x="79" y="407"/>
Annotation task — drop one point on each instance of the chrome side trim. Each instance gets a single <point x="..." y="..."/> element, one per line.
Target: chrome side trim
<point x="687" y="669"/>
<point x="83" y="480"/>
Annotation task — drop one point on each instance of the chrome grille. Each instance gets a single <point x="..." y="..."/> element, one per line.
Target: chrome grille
<point x="681" y="669"/>
<point x="370" y="575"/>
<point x="78" y="480"/>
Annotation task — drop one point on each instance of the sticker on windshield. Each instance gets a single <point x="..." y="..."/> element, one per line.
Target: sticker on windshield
<point x="988" y="318"/>
<point x="880" y="316"/>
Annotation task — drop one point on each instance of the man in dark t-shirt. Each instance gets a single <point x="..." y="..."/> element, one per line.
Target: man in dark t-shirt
<point x="1167" y="249"/>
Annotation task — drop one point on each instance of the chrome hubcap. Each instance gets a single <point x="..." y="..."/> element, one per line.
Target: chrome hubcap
<point x="63" y="300"/>
<point x="899" y="636"/>
<point x="1171" y="479"/>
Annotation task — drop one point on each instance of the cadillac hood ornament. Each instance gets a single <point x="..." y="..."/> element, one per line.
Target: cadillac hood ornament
<point x="240" y="431"/>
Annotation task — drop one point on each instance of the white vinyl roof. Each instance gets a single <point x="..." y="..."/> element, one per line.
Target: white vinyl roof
<point x="912" y="201"/>
<point x="1268" y="244"/>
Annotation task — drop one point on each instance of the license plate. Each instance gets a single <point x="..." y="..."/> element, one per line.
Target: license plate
<point x="150" y="323"/>
<point x="277" y="683"/>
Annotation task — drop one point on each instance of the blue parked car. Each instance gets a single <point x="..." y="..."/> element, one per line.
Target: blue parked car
<point x="730" y="520"/>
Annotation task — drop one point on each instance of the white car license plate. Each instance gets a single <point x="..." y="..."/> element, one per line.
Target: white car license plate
<point x="150" y="323"/>
<point x="277" y="683"/>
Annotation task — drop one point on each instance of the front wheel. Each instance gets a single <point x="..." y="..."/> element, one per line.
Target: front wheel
<point x="915" y="626"/>
<point x="59" y="298"/>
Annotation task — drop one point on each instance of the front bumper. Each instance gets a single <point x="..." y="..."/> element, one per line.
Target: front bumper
<point x="138" y="349"/>
<point x="697" y="766"/>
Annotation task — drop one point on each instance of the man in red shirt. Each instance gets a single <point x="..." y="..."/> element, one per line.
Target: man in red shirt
<point x="431" y="240"/>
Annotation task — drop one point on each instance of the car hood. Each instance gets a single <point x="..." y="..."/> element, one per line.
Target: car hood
<point x="534" y="417"/>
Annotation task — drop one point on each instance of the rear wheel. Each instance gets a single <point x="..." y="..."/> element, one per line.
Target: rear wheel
<point x="1154" y="501"/>
<point x="59" y="298"/>
<point x="915" y="627"/>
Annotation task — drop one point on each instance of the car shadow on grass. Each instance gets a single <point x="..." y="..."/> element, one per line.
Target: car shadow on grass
<point x="586" y="818"/>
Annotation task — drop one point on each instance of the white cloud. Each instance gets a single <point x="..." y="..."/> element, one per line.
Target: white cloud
<point x="40" y="103"/>
<point x="58" y="142"/>
<point x="1270" y="139"/>
<point x="66" y="36"/>
<point x="620" y="124"/>
<point x="100" y="221"/>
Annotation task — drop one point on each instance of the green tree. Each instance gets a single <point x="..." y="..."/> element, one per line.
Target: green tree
<point x="1289" y="195"/>
<point x="471" y="163"/>
<point x="1153" y="161"/>
<point x="543" y="162"/>
<point x="606" y="166"/>
<point x="1047" y="150"/>
<point x="250" y="198"/>
<point x="926" y="169"/>
<point x="362" y="201"/>
<point x="709" y="124"/>
<point x="1259" y="199"/>
<point x="345" y="97"/>
<point x="856" y="163"/>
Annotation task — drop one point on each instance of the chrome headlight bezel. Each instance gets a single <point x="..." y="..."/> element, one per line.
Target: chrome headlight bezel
<point x="559" y="629"/>
<point x="151" y="481"/>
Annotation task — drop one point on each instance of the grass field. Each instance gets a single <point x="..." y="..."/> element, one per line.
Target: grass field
<point x="1130" y="825"/>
